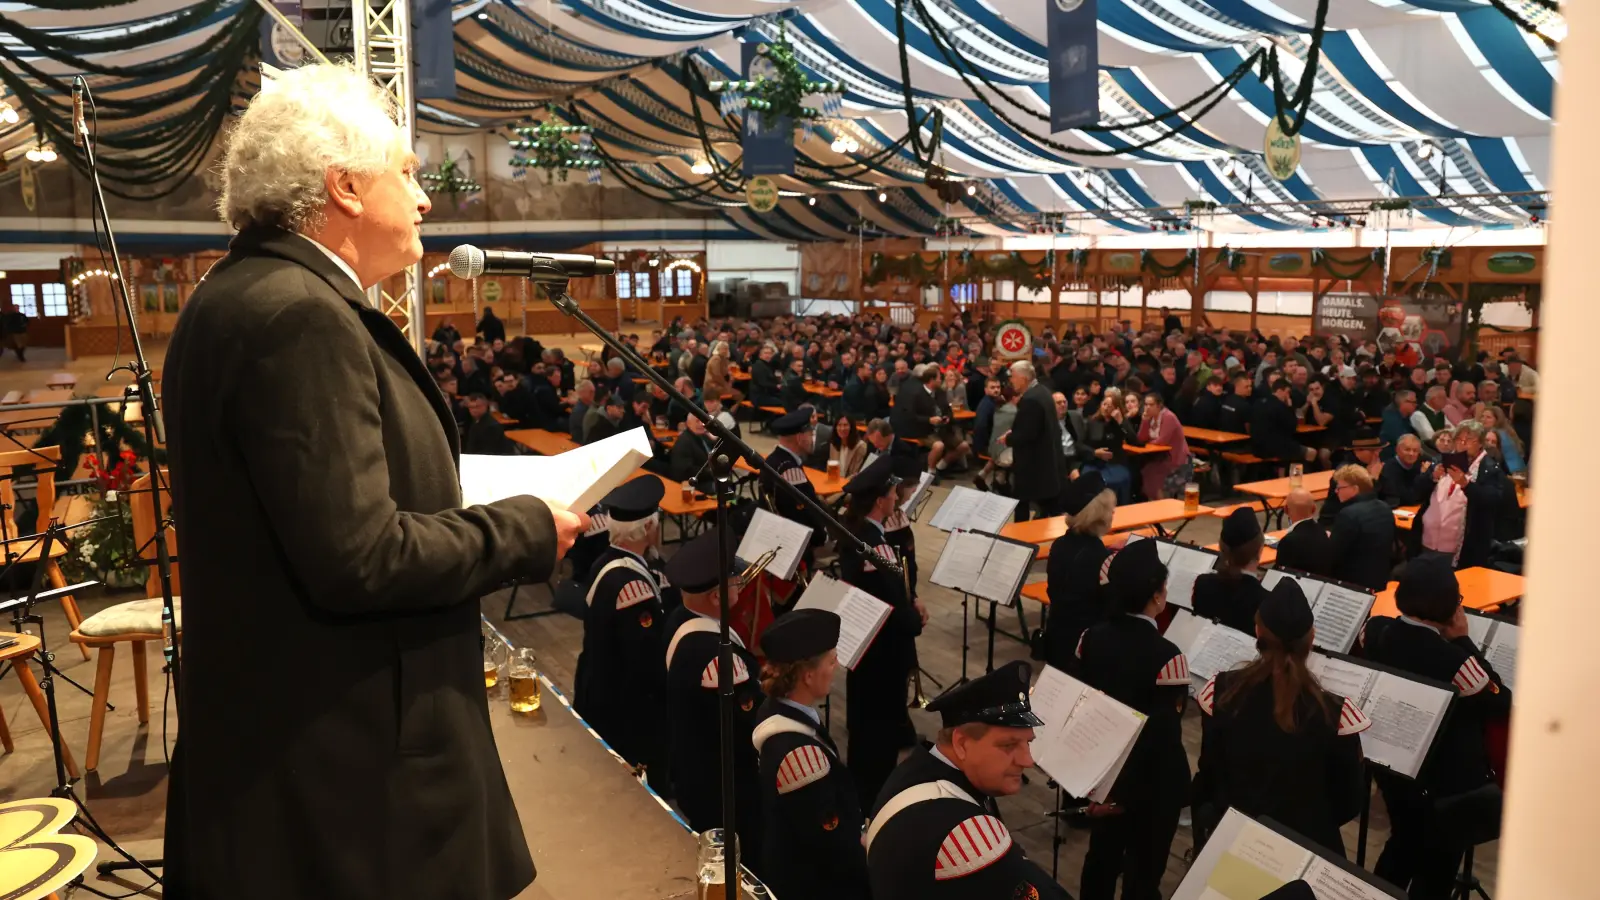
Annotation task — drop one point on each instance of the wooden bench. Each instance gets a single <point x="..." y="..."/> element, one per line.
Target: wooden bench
<point x="62" y="381"/>
<point x="1222" y="512"/>
<point x="1244" y="459"/>
<point x="11" y="397"/>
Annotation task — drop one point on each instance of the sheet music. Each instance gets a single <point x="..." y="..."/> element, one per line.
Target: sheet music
<point x="1342" y="677"/>
<point x="576" y="479"/>
<point x="983" y="566"/>
<point x="769" y="531"/>
<point x="861" y="615"/>
<point x="961" y="561"/>
<point x="915" y="499"/>
<point x="1478" y="627"/>
<point x="1405" y="717"/>
<point x="1501" y="651"/>
<point x="1329" y="882"/>
<point x="1184" y="566"/>
<point x="1246" y="860"/>
<point x="1220" y="649"/>
<point x="1185" y="629"/>
<point x="1339" y="614"/>
<point x="1002" y="574"/>
<point x="1086" y="735"/>
<point x="973" y="510"/>
<point x="1308" y="586"/>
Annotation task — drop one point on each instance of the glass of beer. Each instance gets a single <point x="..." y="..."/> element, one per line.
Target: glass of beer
<point x="1191" y="497"/>
<point x="1297" y="473"/>
<point x="833" y="468"/>
<point x="711" y="866"/>
<point x="524" y="679"/>
<point x="495" y="654"/>
<point x="688" y="491"/>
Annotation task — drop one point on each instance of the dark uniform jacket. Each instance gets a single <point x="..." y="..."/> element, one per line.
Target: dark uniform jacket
<point x="1234" y="415"/>
<point x="1076" y="599"/>
<point x="547" y="406"/>
<point x="693" y="668"/>
<point x="950" y="844"/>
<point x="876" y="717"/>
<point x="1306" y="547"/>
<point x="1231" y="601"/>
<point x="811" y="816"/>
<point x="619" y="686"/>
<point x="1127" y="658"/>
<point x="791" y="470"/>
<point x="1310" y="780"/>
<point x="688" y="460"/>
<point x="1273" y="431"/>
<point x="314" y="478"/>
<point x="486" y="436"/>
<point x="1459" y="758"/>
<point x="1362" y="541"/>
<point x="913" y="407"/>
<point x="1036" y="458"/>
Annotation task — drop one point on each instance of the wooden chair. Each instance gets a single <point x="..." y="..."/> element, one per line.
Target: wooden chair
<point x="137" y="622"/>
<point x="40" y="459"/>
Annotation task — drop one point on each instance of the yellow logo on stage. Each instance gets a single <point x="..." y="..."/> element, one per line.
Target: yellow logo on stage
<point x="1282" y="151"/>
<point x="36" y="860"/>
<point x="762" y="194"/>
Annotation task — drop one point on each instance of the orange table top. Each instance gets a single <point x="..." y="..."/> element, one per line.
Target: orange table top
<point x="1145" y="450"/>
<point x="961" y="415"/>
<point x="825" y="485"/>
<point x="1308" y="429"/>
<point x="1043" y="532"/>
<point x="502" y="418"/>
<point x="813" y="387"/>
<point x="1279" y="488"/>
<point x="1404" y="516"/>
<point x="548" y="443"/>
<point x="1213" y="436"/>
<point x="1527" y="395"/>
<point x="672" y="502"/>
<point x="1481" y="589"/>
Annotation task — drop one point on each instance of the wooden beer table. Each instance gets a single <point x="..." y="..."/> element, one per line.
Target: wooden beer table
<point x="1213" y="436"/>
<point x="1279" y="489"/>
<point x="1482" y="589"/>
<point x="1043" y="532"/>
<point x="545" y="443"/>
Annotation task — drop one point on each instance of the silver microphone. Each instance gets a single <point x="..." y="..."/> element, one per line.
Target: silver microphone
<point x="467" y="261"/>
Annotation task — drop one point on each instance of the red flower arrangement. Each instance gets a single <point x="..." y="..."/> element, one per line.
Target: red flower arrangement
<point x="120" y="477"/>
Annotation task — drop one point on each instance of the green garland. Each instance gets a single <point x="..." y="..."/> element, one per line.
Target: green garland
<point x="1009" y="267"/>
<point x="1230" y="259"/>
<point x="1357" y="270"/>
<point x="1148" y="263"/>
<point x="912" y="268"/>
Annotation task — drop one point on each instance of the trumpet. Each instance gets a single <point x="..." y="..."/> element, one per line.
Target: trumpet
<point x="919" y="697"/>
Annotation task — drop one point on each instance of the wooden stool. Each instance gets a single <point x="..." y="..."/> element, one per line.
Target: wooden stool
<point x="136" y="622"/>
<point x="19" y="654"/>
<point x="45" y="493"/>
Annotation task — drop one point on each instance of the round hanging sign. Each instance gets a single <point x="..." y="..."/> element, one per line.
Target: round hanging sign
<point x="1013" y="340"/>
<point x="762" y="194"/>
<point x="30" y="188"/>
<point x="1282" y="151"/>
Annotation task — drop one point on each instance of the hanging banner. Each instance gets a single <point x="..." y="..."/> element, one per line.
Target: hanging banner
<point x="761" y="193"/>
<point x="279" y="47"/>
<point x="769" y="151"/>
<point x="433" y="45"/>
<point x="1282" y="151"/>
<point x="1347" y="315"/>
<point x="1074" y="63"/>
<point x="1415" y="329"/>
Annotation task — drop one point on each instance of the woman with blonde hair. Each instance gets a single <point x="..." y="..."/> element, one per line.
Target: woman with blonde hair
<point x="1501" y="438"/>
<point x="811" y="814"/>
<point x="719" y="376"/>
<point x="1076" y="600"/>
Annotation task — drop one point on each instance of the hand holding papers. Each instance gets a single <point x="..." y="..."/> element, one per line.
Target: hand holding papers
<point x="861" y="615"/>
<point x="1086" y="737"/>
<point x="1248" y="860"/>
<point x="1405" y="712"/>
<point x="576" y="479"/>
<point x="974" y="511"/>
<point x="785" y="538"/>
<point x="984" y="565"/>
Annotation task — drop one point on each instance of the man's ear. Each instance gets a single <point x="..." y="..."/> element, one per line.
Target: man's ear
<point x="344" y="192"/>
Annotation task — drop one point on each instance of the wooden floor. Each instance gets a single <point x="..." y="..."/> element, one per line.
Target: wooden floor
<point x="127" y="795"/>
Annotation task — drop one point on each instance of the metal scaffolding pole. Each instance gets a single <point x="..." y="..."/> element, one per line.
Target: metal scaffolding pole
<point x="383" y="50"/>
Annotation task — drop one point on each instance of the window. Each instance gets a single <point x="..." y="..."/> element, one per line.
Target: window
<point x="641" y="285"/>
<point x="25" y="299"/>
<point x="55" y="299"/>
<point x="666" y="284"/>
<point x="685" y="283"/>
<point x="624" y="286"/>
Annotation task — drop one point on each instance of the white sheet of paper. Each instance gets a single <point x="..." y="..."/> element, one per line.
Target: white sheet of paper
<point x="1185" y="630"/>
<point x="1184" y="566"/>
<point x="1501" y="651"/>
<point x="1478" y="627"/>
<point x="1405" y="717"/>
<point x="961" y="561"/>
<point x="1339" y="614"/>
<point x="1309" y="586"/>
<point x="1329" y="882"/>
<point x="1003" y="573"/>
<point x="916" y="495"/>
<point x="769" y="531"/>
<point x="1243" y="860"/>
<point x="576" y="479"/>
<point x="1347" y="679"/>
<point x="1086" y="734"/>
<point x="973" y="510"/>
<point x="1221" y="648"/>
<point x="1053" y="697"/>
<point x="861" y="615"/>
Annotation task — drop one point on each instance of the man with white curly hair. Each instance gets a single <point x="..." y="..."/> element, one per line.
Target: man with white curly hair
<point x="335" y="737"/>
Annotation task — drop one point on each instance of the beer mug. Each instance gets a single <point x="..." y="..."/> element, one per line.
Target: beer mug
<point x="1297" y="472"/>
<point x="833" y="468"/>
<point x="1191" y="497"/>
<point x="495" y="655"/>
<point x="524" y="679"/>
<point x="688" y="491"/>
<point x="711" y="865"/>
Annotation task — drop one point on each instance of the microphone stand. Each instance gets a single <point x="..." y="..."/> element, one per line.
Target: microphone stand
<point x="155" y="431"/>
<point x="550" y="275"/>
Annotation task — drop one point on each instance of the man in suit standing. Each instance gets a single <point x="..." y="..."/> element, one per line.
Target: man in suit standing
<point x="1035" y="442"/>
<point x="1305" y="546"/>
<point x="916" y="414"/>
<point x="332" y="511"/>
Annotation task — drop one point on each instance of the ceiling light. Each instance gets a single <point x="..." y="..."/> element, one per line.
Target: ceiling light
<point x="811" y="201"/>
<point x="883" y="197"/>
<point x="483" y="15"/>
<point x="972" y="190"/>
<point x="32" y="155"/>
<point x="655" y="261"/>
<point x="8" y="115"/>
<point x="701" y="167"/>
<point x="851" y="145"/>
<point x="837" y="146"/>
<point x="1426" y="151"/>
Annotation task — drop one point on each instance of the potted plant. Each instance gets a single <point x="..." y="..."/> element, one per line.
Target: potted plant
<point x="105" y="551"/>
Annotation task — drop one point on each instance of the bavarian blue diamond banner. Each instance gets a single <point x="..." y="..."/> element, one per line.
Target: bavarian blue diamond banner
<point x="768" y="144"/>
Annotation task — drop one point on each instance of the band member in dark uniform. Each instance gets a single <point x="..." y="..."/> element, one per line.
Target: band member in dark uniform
<point x="897" y="525"/>
<point x="796" y="438"/>
<point x="1127" y="658"/>
<point x="619" y="684"/>
<point x="936" y="832"/>
<point x="1455" y="793"/>
<point x="1076" y="568"/>
<point x="811" y="816"/>
<point x="693" y="671"/>
<point x="877" y="719"/>
<point x="1274" y="743"/>
<point x="1231" y="594"/>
